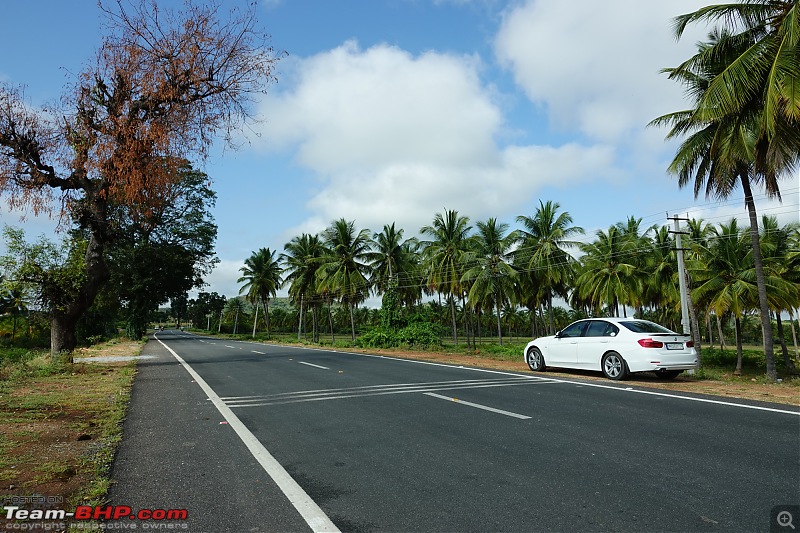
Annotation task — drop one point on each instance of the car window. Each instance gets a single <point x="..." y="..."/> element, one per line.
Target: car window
<point x="601" y="328"/>
<point x="573" y="330"/>
<point x="643" y="326"/>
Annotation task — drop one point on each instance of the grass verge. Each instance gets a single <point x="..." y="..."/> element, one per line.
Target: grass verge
<point x="60" y="423"/>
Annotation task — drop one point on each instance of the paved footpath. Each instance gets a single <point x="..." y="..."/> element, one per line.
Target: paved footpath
<point x="176" y="454"/>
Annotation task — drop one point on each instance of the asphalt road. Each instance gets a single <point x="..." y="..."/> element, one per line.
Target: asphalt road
<point x="374" y="443"/>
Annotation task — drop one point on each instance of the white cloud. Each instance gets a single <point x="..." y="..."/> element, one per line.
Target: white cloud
<point x="394" y="137"/>
<point x="595" y="65"/>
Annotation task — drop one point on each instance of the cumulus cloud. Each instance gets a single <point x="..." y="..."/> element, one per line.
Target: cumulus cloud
<point x="595" y="65"/>
<point x="393" y="137"/>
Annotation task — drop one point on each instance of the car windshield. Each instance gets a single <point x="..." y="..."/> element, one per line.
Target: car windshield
<point x="643" y="326"/>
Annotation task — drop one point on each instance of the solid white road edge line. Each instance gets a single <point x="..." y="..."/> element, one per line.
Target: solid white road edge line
<point x="479" y="406"/>
<point x="314" y="516"/>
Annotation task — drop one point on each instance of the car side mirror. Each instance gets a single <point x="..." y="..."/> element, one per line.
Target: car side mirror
<point x="558" y="335"/>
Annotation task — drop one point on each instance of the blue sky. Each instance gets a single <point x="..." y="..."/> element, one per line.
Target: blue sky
<point x="394" y="110"/>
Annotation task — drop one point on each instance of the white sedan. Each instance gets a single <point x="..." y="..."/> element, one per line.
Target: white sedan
<point x="614" y="346"/>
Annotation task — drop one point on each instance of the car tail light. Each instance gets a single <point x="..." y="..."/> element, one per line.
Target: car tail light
<point x="650" y="343"/>
<point x="690" y="344"/>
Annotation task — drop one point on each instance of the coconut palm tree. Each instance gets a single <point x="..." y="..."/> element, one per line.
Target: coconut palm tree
<point x="606" y="275"/>
<point x="261" y="275"/>
<point x="301" y="259"/>
<point x="491" y="277"/>
<point x="443" y="256"/>
<point x="761" y="70"/>
<point x="390" y="258"/>
<point x="542" y="252"/>
<point x="343" y="269"/>
<point x="775" y="243"/>
<point x="724" y="150"/>
<point x="235" y="307"/>
<point x="725" y="278"/>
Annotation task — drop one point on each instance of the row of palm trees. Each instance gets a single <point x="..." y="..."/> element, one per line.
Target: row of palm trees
<point x="487" y="270"/>
<point x="744" y="124"/>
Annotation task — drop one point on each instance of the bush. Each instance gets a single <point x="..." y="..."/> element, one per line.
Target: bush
<point x="422" y="334"/>
<point x="377" y="338"/>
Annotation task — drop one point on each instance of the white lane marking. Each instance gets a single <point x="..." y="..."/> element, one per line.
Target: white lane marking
<point x="279" y="401"/>
<point x="586" y="384"/>
<point x="316" y="392"/>
<point x="231" y="347"/>
<point x="477" y="405"/>
<point x="315" y="366"/>
<point x="256" y="351"/>
<point x="314" y="516"/>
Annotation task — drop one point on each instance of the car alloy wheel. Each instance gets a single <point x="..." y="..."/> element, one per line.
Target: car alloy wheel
<point x="614" y="366"/>
<point x="535" y="360"/>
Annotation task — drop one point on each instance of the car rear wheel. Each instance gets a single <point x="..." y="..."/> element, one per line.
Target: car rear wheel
<point x="667" y="374"/>
<point x="614" y="366"/>
<point x="535" y="360"/>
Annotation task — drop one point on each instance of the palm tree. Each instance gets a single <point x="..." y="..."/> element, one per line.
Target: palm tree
<point x="775" y="243"/>
<point x="762" y="70"/>
<point x="443" y="256"/>
<point x="491" y="276"/>
<point x="725" y="278"/>
<point x="343" y="268"/>
<point x="234" y="306"/>
<point x="606" y="276"/>
<point x="390" y="258"/>
<point x="261" y="275"/>
<point x="542" y="253"/>
<point x="722" y="150"/>
<point x="301" y="259"/>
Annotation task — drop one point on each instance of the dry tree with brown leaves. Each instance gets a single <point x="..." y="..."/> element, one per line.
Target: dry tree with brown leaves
<point x="164" y="85"/>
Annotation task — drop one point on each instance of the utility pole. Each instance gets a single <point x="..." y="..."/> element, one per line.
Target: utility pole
<point x="685" y="323"/>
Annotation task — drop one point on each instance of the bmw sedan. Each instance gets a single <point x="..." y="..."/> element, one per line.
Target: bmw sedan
<point x="614" y="346"/>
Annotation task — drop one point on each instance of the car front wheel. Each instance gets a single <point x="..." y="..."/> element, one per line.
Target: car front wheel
<point x="614" y="366"/>
<point x="535" y="360"/>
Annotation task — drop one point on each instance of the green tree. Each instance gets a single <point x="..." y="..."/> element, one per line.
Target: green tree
<point x="725" y="278"/>
<point x="542" y="254"/>
<point x="162" y="254"/>
<point x="344" y="270"/>
<point x="301" y="259"/>
<point x="606" y="277"/>
<point x="491" y="278"/>
<point x="261" y="275"/>
<point x="443" y="255"/>
<point x="744" y="124"/>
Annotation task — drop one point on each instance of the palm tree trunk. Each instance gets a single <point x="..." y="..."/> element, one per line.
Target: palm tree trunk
<point x="710" y="330"/>
<point x="499" y="329"/>
<point x="766" y="322"/>
<point x="721" y="336"/>
<point x="330" y="321"/>
<point x="794" y="334"/>
<point x="551" y="329"/>
<point x="255" y="320"/>
<point x="300" y="318"/>
<point x="786" y="359"/>
<point x="352" y="323"/>
<point x="738" y="330"/>
<point x="266" y="315"/>
<point x="453" y="317"/>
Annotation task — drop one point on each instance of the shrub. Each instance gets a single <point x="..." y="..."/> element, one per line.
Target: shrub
<point x="422" y="334"/>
